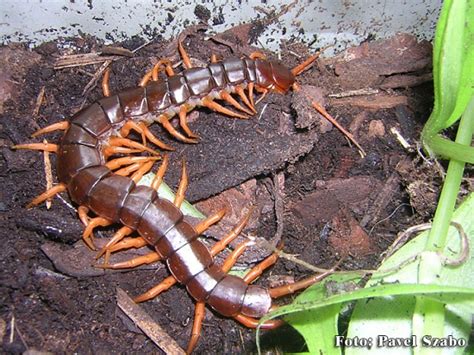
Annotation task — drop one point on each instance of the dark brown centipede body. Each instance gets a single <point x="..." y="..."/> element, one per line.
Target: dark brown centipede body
<point x="81" y="167"/>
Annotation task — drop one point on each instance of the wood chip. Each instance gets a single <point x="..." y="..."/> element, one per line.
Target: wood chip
<point x="48" y="174"/>
<point x="39" y="101"/>
<point x="147" y="324"/>
<point x="78" y="60"/>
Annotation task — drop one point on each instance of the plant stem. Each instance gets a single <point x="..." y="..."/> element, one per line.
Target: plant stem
<point x="437" y="237"/>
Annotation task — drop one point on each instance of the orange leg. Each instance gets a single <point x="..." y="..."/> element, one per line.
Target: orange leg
<point x="224" y="95"/>
<point x="135" y="262"/>
<point x="117" y="237"/>
<point x="222" y="244"/>
<point x="209" y="103"/>
<point x="145" y="168"/>
<point x="128" y="169"/>
<point x="155" y="291"/>
<point x="252" y="323"/>
<point x="152" y="137"/>
<point x="153" y="74"/>
<point x="47" y="195"/>
<point x="186" y="61"/>
<point x="199" y="313"/>
<point x="183" y="185"/>
<point x="48" y="147"/>
<point x="305" y="65"/>
<point x="165" y="122"/>
<point x="132" y="125"/>
<point x="264" y="93"/>
<point x="251" y="87"/>
<point x="119" y="162"/>
<point x="127" y="243"/>
<point x="299" y="285"/>
<point x="213" y="58"/>
<point x="105" y="82"/>
<point x="257" y="55"/>
<point x="155" y="184"/>
<point x="257" y="270"/>
<point x="183" y="121"/>
<point x="58" y="126"/>
<point x="87" y="235"/>
<point x="124" y="142"/>
<point x="209" y="221"/>
<point x="240" y="91"/>
<point x="109" y="151"/>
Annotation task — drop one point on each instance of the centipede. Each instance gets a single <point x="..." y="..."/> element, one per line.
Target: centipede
<point x="100" y="167"/>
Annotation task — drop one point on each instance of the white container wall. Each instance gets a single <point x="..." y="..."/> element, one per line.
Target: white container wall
<point x="316" y="22"/>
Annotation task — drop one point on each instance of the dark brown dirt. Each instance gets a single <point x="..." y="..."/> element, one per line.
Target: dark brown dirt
<point x="335" y="203"/>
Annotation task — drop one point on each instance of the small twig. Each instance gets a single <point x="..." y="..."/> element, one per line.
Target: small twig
<point x="403" y="237"/>
<point x="359" y="92"/>
<point x="124" y="52"/>
<point x="147" y="324"/>
<point x="464" y="252"/>
<point x="78" y="60"/>
<point x="39" y="101"/>
<point x="278" y="196"/>
<point x="403" y="142"/>
<point x="47" y="173"/>
<point x="96" y="77"/>
<point x="142" y="46"/>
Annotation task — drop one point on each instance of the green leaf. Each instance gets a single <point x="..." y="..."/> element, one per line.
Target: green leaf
<point x="164" y="191"/>
<point x="394" y="316"/>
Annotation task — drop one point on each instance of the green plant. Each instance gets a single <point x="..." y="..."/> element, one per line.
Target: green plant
<point x="427" y="287"/>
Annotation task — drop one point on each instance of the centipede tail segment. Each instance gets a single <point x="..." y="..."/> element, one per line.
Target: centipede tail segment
<point x="96" y="165"/>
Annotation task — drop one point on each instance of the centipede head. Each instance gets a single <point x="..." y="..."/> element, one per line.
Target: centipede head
<point x="273" y="76"/>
